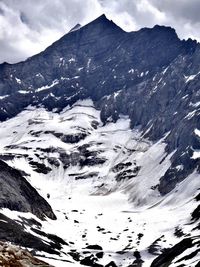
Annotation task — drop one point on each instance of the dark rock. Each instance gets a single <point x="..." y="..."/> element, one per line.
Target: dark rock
<point x="86" y="176"/>
<point x="137" y="263"/>
<point x="178" y="232"/>
<point x="99" y="255"/>
<point x="170" y="254"/>
<point x="128" y="174"/>
<point x="95" y="247"/>
<point x="155" y="248"/>
<point x="196" y="213"/>
<point x="17" y="194"/>
<point x="40" y="167"/>
<point x="74" y="255"/>
<point x="15" y="233"/>
<point x="111" y="264"/>
<point x="57" y="241"/>
<point x="140" y="235"/>
<point x="90" y="261"/>
<point x="137" y="255"/>
<point x="121" y="166"/>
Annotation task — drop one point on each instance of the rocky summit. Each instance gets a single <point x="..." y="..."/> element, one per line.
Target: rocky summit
<point x="99" y="149"/>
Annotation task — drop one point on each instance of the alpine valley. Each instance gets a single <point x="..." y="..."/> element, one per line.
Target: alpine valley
<point x="100" y="151"/>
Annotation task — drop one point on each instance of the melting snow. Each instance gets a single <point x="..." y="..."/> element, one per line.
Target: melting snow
<point x="47" y="86"/>
<point x="196" y="105"/>
<point x="123" y="210"/>
<point x="131" y="71"/>
<point x="18" y="80"/>
<point x="190" y="77"/>
<point x="3" y="96"/>
<point x="72" y="60"/>
<point x="23" y="92"/>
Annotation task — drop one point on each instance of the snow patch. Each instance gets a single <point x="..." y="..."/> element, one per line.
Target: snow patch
<point x="55" y="82"/>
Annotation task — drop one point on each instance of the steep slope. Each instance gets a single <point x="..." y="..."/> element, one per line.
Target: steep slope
<point x="17" y="194"/>
<point x="104" y="124"/>
<point x="88" y="171"/>
<point x="142" y="74"/>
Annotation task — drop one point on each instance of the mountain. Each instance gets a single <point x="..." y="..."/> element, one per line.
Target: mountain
<point x="104" y="125"/>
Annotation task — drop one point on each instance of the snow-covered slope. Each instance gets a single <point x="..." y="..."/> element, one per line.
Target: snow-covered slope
<point x="101" y="181"/>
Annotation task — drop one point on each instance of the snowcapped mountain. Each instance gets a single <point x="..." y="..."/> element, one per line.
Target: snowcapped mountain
<point x="99" y="149"/>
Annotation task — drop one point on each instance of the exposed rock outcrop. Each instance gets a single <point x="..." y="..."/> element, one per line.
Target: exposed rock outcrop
<point x="17" y="194"/>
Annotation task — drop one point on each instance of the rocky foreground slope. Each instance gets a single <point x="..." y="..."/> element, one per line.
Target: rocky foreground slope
<point x="99" y="149"/>
<point x="13" y="256"/>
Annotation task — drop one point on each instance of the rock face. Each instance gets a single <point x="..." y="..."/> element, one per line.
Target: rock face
<point x="166" y="258"/>
<point x="142" y="74"/>
<point x="16" y="233"/>
<point x="17" y="194"/>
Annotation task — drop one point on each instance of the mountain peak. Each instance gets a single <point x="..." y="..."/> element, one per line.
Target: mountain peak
<point x="159" y="32"/>
<point x="102" y="18"/>
<point x="167" y="29"/>
<point x="76" y="27"/>
<point x="104" y="22"/>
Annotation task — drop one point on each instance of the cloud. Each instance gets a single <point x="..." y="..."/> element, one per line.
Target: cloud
<point x="183" y="15"/>
<point x="28" y="27"/>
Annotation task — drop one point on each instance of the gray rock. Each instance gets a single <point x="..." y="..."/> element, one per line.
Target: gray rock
<point x="17" y="194"/>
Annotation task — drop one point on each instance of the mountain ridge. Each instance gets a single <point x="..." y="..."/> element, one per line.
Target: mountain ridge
<point x="98" y="60"/>
<point x="101" y="112"/>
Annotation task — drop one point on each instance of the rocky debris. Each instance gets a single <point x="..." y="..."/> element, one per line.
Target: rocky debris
<point x="82" y="157"/>
<point x="86" y="176"/>
<point x="138" y="262"/>
<point x="128" y="174"/>
<point x="17" y="194"/>
<point x="90" y="261"/>
<point x="155" y="248"/>
<point x="40" y="167"/>
<point x="95" y="247"/>
<point x="53" y="161"/>
<point x="121" y="166"/>
<point x="70" y="138"/>
<point x="178" y="232"/>
<point x="90" y="158"/>
<point x="126" y="170"/>
<point x="13" y="256"/>
<point x="111" y="264"/>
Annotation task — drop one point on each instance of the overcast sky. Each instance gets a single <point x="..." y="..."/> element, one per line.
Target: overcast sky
<point x="29" y="26"/>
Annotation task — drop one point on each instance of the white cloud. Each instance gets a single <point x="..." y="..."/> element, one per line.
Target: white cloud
<point x="29" y="26"/>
